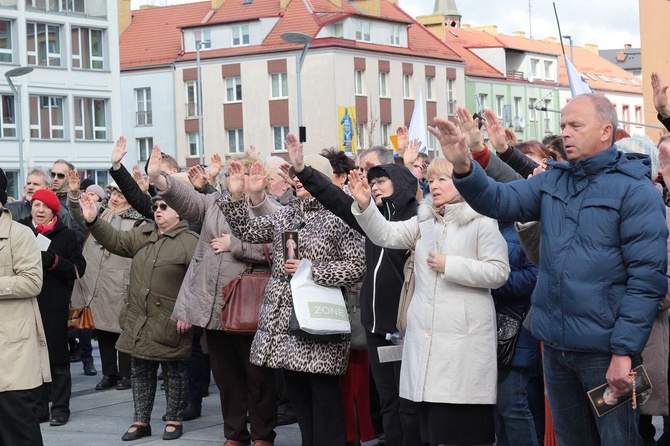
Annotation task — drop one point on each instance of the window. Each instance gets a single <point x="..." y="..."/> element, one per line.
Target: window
<point x="240" y="35"/>
<point x="603" y="78"/>
<point x="6" y="38"/>
<point x="43" y="44"/>
<point x="73" y="6"/>
<point x="517" y="114"/>
<point x="279" y="85"/>
<point x="548" y="69"/>
<point x="638" y="115"/>
<point x="532" y="117"/>
<point x="535" y="67"/>
<point x="279" y="135"/>
<point x="46" y="117"/>
<point x="429" y="88"/>
<point x="432" y="142"/>
<point x="193" y="144"/>
<point x="143" y="108"/>
<point x="87" y="49"/>
<point x="234" y="89"/>
<point x="191" y="99"/>
<point x="406" y="86"/>
<point x="8" y="123"/>
<point x="395" y="35"/>
<point x="590" y="76"/>
<point x="385" y="134"/>
<point x="547" y="116"/>
<point x="235" y="141"/>
<point x="382" y="84"/>
<point x="633" y="81"/>
<point x="361" y="133"/>
<point x="499" y="105"/>
<point x="203" y="37"/>
<point x="338" y="29"/>
<point x="619" y="80"/>
<point x="363" y="30"/>
<point x="625" y="117"/>
<point x="451" y="102"/>
<point x="358" y="82"/>
<point x="90" y="119"/>
<point x="144" y="146"/>
<point x="482" y="101"/>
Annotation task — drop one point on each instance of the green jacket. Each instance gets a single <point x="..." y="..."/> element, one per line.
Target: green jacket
<point x="156" y="272"/>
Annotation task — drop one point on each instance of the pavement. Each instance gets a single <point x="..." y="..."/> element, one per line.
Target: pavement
<point x="99" y="418"/>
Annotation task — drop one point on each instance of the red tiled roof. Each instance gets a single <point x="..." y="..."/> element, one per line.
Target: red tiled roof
<point x="462" y="40"/>
<point x="142" y="46"/>
<point x="154" y="38"/>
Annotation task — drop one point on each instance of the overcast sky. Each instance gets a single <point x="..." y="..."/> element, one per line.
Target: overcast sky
<point x="607" y="23"/>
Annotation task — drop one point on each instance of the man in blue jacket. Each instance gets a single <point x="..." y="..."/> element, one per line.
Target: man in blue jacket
<point x="603" y="258"/>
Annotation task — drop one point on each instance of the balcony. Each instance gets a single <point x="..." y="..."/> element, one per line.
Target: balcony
<point x="518" y="75"/>
<point x="90" y="8"/>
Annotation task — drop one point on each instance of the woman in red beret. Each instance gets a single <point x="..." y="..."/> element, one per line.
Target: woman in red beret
<point x="61" y="255"/>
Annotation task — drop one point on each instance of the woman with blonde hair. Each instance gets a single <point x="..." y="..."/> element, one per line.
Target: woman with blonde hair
<point x="450" y="342"/>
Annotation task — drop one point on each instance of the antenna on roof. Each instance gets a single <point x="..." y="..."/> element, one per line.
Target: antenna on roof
<point x="530" y="19"/>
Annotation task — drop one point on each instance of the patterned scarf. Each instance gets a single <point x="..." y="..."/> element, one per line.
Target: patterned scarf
<point x="43" y="229"/>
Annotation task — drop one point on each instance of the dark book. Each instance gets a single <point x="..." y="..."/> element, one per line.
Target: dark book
<point x="604" y="399"/>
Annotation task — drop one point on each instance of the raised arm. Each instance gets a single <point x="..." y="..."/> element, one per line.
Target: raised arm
<point x="136" y="198"/>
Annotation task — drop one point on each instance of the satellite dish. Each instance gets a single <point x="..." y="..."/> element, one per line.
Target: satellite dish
<point x="530" y="77"/>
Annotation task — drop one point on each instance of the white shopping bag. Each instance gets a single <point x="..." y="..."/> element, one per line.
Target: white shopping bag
<point x="320" y="310"/>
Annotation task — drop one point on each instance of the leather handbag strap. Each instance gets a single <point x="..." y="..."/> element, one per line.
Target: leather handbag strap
<point x="266" y="251"/>
<point x="82" y="287"/>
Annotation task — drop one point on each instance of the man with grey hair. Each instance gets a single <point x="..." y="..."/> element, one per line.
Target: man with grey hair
<point x="603" y="263"/>
<point x="374" y="156"/>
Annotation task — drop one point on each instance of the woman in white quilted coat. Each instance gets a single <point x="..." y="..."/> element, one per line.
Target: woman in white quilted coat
<point x="449" y="351"/>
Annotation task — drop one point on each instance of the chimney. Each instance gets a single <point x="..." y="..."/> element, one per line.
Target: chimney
<point x="466" y="26"/>
<point x="283" y="4"/>
<point x="125" y="15"/>
<point x="370" y="7"/>
<point x="491" y="29"/>
<point x="551" y="39"/>
<point x="393" y="2"/>
<point x="216" y="4"/>
<point x="592" y="47"/>
<point x="627" y="46"/>
<point x="520" y="34"/>
<point x="337" y="3"/>
<point x="620" y="56"/>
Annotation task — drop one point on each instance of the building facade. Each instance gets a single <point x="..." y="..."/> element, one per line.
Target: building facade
<point x="70" y="104"/>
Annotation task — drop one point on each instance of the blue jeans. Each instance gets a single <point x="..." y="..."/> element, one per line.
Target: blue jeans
<point x="569" y="375"/>
<point x="513" y="418"/>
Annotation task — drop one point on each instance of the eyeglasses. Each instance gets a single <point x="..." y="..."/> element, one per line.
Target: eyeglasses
<point x="378" y="181"/>
<point x="61" y="176"/>
<point x="162" y="206"/>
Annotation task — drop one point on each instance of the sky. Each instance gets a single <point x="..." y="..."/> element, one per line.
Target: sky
<point x="617" y="23"/>
<point x="606" y="23"/>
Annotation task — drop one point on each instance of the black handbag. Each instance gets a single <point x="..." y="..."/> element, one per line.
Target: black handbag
<point x="509" y="327"/>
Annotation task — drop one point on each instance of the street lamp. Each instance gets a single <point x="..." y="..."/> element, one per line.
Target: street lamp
<point x="17" y="72"/>
<point x="572" y="58"/>
<point x="305" y="40"/>
<point x="198" y="45"/>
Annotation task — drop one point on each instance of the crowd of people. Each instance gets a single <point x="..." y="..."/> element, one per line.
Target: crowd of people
<point x="568" y="235"/>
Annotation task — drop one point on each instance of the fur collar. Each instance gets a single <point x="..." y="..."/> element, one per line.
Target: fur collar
<point x="459" y="213"/>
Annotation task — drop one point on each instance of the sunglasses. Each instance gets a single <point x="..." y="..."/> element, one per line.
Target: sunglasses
<point x="162" y="207"/>
<point x="61" y="176"/>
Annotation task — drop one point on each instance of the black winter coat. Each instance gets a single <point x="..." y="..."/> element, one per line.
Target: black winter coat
<point x="380" y="292"/>
<point x="58" y="264"/>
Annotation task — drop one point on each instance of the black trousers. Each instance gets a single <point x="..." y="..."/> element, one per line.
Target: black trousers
<point x="317" y="402"/>
<point x="195" y="369"/>
<point x="58" y="391"/>
<point x="400" y="417"/>
<point x="18" y="420"/>
<point x="109" y="353"/>
<point x="244" y="387"/>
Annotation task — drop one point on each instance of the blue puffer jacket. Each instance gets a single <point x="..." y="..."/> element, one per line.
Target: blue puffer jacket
<point x="515" y="295"/>
<point x="603" y="251"/>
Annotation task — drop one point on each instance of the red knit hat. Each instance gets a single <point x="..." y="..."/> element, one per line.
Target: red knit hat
<point x="48" y="198"/>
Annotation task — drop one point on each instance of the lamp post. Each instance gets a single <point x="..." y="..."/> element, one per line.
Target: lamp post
<point x="305" y="40"/>
<point x="572" y="58"/>
<point x="17" y="72"/>
<point x="201" y="147"/>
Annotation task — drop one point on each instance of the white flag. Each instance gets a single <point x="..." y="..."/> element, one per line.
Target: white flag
<point x="578" y="84"/>
<point x="417" y="126"/>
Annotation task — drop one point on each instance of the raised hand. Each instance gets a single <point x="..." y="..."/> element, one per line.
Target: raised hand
<point x="496" y="131"/>
<point x="403" y="137"/>
<point x="294" y="148"/>
<point x="660" y="95"/>
<point x="412" y="153"/>
<point x="154" y="167"/>
<point x="664" y="159"/>
<point x="282" y="171"/>
<point x="88" y="209"/>
<point x="470" y="129"/>
<point x="197" y="176"/>
<point x="252" y="151"/>
<point x="258" y="178"/>
<point x="118" y="152"/>
<point x="236" y="180"/>
<point x="215" y="166"/>
<point x="359" y="188"/>
<point x="73" y="182"/>
<point x="140" y="180"/>
<point x="453" y="144"/>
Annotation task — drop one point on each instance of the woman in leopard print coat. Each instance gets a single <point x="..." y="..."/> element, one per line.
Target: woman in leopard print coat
<point x="336" y="251"/>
